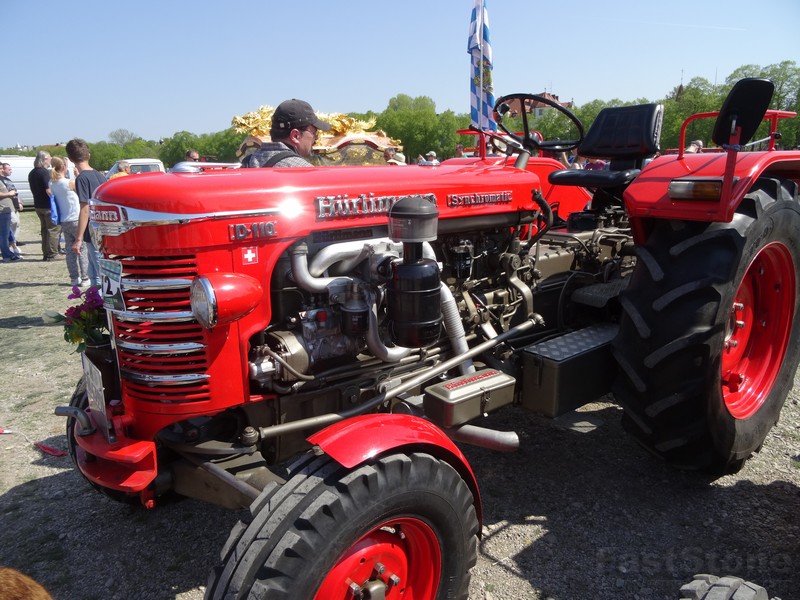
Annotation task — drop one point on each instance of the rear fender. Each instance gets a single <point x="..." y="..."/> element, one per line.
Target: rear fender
<point x="355" y="441"/>
<point x="647" y="196"/>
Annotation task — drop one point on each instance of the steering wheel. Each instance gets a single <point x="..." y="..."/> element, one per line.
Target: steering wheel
<point x="516" y="104"/>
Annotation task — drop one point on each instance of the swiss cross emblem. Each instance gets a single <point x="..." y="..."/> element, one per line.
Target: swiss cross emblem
<point x="249" y="256"/>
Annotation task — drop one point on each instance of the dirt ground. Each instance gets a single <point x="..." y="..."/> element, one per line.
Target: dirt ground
<point x="580" y="511"/>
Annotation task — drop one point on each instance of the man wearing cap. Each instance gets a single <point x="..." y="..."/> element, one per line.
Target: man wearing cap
<point x="294" y="130"/>
<point x="430" y="160"/>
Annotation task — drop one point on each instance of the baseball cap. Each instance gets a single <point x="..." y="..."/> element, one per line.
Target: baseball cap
<point x="431" y="153"/>
<point x="296" y="114"/>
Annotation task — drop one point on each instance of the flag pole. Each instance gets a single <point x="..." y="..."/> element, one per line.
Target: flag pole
<point x="481" y="100"/>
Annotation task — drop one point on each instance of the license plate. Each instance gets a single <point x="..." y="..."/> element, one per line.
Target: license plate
<point x="97" y="399"/>
<point x="111" y="288"/>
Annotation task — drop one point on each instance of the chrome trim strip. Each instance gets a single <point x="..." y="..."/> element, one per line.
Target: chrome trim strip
<point x="155" y="284"/>
<point x="164" y="379"/>
<point x="134" y="217"/>
<point x="185" y="348"/>
<point x="143" y="317"/>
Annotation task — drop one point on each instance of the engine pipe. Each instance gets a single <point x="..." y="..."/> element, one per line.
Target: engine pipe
<point x="326" y="419"/>
<point x="374" y="342"/>
<point x="351" y="253"/>
<point x="455" y="328"/>
<point x="316" y="285"/>
<point x="348" y="254"/>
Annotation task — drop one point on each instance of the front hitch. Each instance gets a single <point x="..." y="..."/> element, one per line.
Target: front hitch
<point x="87" y="428"/>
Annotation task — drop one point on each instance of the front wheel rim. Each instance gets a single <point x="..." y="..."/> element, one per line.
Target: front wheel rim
<point x="757" y="332"/>
<point x="401" y="558"/>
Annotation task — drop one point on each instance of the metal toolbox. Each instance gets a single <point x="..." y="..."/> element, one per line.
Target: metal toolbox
<point x="457" y="401"/>
<point x="569" y="371"/>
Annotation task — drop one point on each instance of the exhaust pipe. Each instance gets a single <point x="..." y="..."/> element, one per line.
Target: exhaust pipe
<point x="491" y="439"/>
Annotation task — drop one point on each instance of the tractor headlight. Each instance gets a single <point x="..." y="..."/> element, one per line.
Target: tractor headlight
<point x="219" y="298"/>
<point x="695" y="189"/>
<point x="204" y="302"/>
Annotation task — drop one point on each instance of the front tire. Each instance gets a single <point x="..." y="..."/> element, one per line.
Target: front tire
<point x="709" y="343"/>
<point x="402" y="527"/>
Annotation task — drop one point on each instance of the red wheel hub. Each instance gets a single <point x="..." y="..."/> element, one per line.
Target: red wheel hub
<point x="398" y="559"/>
<point x="758" y="330"/>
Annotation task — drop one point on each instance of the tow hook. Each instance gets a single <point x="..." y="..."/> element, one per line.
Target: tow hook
<point x="79" y="415"/>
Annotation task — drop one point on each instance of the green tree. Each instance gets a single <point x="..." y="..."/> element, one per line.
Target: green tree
<point x="121" y="137"/>
<point x="221" y="146"/>
<point x="786" y="77"/>
<point x="139" y="148"/>
<point x="174" y="148"/>
<point x="104" y="155"/>
<point x="415" y="122"/>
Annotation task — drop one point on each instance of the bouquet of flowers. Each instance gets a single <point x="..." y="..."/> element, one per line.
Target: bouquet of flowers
<point x="85" y="323"/>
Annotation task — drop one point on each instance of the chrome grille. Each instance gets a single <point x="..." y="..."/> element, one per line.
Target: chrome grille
<point x="162" y="350"/>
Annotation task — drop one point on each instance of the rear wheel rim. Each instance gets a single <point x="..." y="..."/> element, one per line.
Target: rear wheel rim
<point x="400" y="558"/>
<point x="757" y="332"/>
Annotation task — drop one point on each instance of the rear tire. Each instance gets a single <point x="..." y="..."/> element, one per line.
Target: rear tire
<point x="709" y="343"/>
<point x="404" y="526"/>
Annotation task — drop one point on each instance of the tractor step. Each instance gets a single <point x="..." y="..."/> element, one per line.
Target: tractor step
<point x="598" y="294"/>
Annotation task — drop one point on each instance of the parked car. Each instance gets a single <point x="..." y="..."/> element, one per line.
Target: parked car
<point x="139" y="165"/>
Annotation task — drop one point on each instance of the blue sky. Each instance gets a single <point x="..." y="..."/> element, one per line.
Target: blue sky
<point x="84" y="69"/>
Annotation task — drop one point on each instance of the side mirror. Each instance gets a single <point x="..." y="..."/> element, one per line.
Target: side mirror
<point x="744" y="107"/>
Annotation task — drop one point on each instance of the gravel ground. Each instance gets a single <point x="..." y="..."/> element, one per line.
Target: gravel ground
<point x="580" y="511"/>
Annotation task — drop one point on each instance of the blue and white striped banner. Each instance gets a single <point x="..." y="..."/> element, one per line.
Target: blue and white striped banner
<point x="479" y="47"/>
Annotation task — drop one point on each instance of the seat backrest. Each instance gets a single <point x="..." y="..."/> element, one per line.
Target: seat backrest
<point x="624" y="134"/>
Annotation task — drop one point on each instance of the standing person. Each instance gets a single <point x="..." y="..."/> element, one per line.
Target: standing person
<point x="5" y="179"/>
<point x="87" y="181"/>
<point x="6" y="209"/>
<point x="69" y="209"/>
<point x="39" y="180"/>
<point x="294" y="130"/>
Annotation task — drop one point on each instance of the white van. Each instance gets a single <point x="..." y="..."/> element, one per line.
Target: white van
<point x="20" y="167"/>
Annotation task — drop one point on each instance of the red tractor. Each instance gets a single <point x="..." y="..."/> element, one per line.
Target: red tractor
<point x="311" y="343"/>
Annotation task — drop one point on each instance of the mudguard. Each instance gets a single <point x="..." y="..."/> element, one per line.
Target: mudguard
<point x="354" y="441"/>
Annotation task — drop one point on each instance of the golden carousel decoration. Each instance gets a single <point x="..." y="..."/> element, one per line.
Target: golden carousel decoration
<point x="349" y="142"/>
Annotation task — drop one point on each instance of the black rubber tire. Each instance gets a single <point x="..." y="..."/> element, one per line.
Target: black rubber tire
<point x="711" y="587"/>
<point x="676" y="313"/>
<point x="299" y="530"/>
<point x="80" y="399"/>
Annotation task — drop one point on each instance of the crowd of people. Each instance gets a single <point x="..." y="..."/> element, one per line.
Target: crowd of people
<point x="61" y="189"/>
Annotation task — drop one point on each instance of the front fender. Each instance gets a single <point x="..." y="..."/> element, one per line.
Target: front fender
<point x="353" y="442"/>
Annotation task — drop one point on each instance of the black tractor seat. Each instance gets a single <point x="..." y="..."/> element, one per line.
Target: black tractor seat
<point x="624" y="135"/>
<point x="593" y="179"/>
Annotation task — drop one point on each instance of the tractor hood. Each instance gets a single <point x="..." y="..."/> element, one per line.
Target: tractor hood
<point x="290" y="202"/>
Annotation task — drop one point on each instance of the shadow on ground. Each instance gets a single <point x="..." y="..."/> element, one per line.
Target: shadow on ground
<point x="591" y="515"/>
<point x="82" y="545"/>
